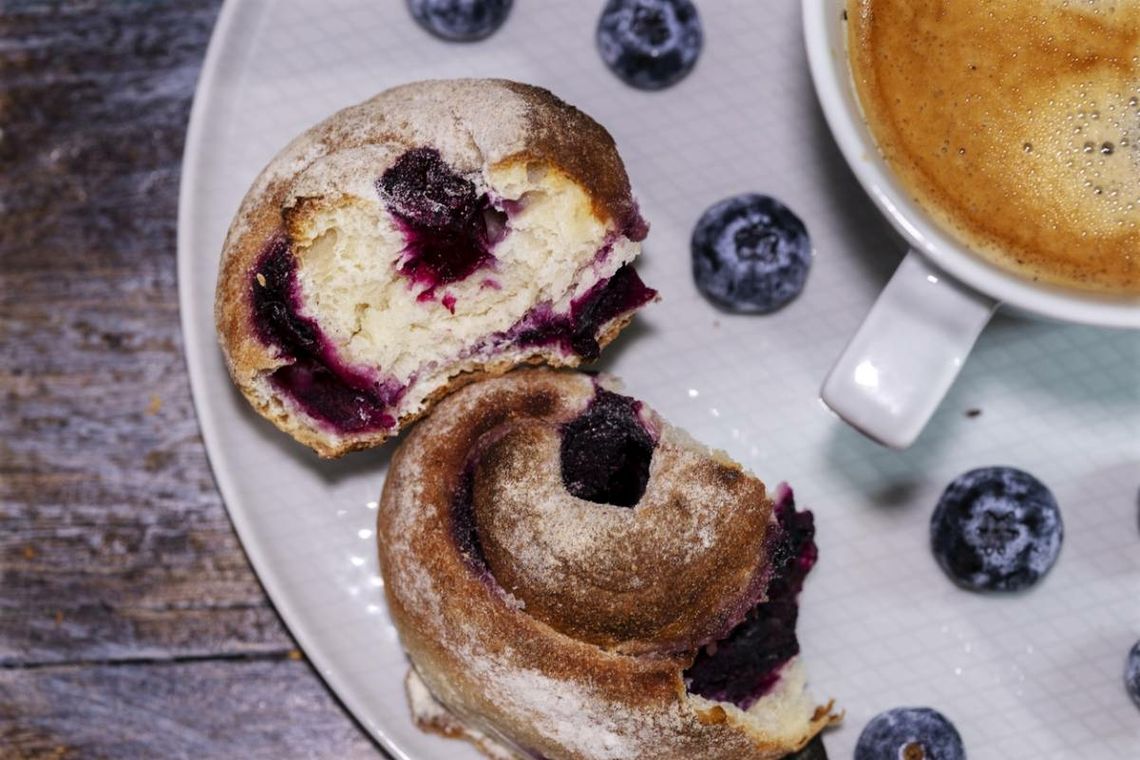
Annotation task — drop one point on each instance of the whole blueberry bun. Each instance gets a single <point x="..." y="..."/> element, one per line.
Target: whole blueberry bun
<point x="440" y="231"/>
<point x="574" y="579"/>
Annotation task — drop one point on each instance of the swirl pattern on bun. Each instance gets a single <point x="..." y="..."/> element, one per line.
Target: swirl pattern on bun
<point x="574" y="578"/>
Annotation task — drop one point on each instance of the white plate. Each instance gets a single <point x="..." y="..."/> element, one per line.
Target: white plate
<point x="1031" y="676"/>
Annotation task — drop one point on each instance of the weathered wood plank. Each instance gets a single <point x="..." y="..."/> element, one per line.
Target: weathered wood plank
<point x="114" y="544"/>
<point x="270" y="709"/>
<point x="250" y="709"/>
<point x="131" y="625"/>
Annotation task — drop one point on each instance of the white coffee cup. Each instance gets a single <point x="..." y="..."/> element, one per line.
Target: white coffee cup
<point x="905" y="355"/>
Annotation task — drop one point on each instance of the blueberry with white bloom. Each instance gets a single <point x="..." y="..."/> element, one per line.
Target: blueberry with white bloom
<point x="996" y="529"/>
<point x="650" y="44"/>
<point x="750" y="254"/>
<point x="460" y="20"/>
<point x="910" y="733"/>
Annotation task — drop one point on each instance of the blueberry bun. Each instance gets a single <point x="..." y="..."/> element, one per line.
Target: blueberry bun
<point x="440" y="231"/>
<point x="574" y="579"/>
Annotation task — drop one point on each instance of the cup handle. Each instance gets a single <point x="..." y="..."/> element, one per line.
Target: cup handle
<point x="910" y="347"/>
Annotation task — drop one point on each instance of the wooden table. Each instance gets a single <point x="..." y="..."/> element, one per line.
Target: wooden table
<point x="131" y="625"/>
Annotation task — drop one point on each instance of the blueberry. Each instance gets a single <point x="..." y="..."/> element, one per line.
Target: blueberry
<point x="750" y="254"/>
<point x="1132" y="673"/>
<point x="996" y="529"/>
<point x="910" y="733"/>
<point x="460" y="20"/>
<point x="650" y="44"/>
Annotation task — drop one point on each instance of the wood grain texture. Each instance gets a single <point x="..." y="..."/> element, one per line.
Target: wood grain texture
<point x="247" y="710"/>
<point x="130" y="622"/>
<point x="115" y="543"/>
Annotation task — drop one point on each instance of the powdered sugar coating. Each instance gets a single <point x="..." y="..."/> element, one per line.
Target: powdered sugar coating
<point x="499" y="667"/>
<point x="576" y="563"/>
<point x="570" y="712"/>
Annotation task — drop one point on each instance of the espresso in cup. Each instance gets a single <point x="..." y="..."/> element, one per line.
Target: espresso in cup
<point x="1015" y="124"/>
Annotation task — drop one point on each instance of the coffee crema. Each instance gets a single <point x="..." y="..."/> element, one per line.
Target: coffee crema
<point x="1015" y="124"/>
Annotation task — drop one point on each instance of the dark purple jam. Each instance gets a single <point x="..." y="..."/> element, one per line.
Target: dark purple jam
<point x="274" y="300"/>
<point x="463" y="525"/>
<point x="449" y="229"/>
<point x="745" y="665"/>
<point x="326" y="388"/>
<point x="606" y="452"/>
<point x="577" y="330"/>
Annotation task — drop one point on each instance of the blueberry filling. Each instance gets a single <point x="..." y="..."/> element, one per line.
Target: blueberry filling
<point x="274" y="302"/>
<point x="354" y="402"/>
<point x="449" y="229"/>
<point x="745" y="665"/>
<point x="463" y="525"/>
<point x="315" y="379"/>
<point x="606" y="452"/>
<point x="577" y="330"/>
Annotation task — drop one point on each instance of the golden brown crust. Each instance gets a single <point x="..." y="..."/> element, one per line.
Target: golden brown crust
<point x="564" y="137"/>
<point x="503" y="668"/>
<point x="475" y="124"/>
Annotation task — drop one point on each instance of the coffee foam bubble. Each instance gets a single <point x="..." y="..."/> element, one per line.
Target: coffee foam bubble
<point x="1088" y="140"/>
<point x="1016" y="124"/>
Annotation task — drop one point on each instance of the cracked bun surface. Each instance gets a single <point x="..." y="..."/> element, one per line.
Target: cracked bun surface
<point x="575" y="579"/>
<point x="440" y="231"/>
